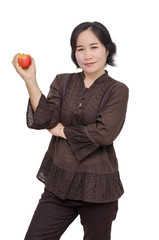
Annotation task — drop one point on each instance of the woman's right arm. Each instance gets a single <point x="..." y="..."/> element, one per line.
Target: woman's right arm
<point x="42" y="112"/>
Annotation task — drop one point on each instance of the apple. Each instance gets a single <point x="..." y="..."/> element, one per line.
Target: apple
<point x="24" y="60"/>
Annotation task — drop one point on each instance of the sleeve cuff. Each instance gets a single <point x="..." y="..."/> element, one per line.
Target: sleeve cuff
<point x="80" y="142"/>
<point x="43" y="117"/>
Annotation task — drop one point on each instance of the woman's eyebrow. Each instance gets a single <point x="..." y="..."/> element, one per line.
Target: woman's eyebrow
<point x="79" y="46"/>
<point x="90" y="44"/>
<point x="94" y="43"/>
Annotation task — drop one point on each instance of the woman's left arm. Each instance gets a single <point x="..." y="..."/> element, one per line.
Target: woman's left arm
<point x="84" y="140"/>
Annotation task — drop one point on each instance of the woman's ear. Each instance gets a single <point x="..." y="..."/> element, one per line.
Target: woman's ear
<point x="107" y="53"/>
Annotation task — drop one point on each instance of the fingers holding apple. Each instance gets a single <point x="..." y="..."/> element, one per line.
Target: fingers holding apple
<point x="25" y="66"/>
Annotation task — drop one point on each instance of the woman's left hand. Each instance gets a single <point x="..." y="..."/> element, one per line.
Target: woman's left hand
<point x="58" y="131"/>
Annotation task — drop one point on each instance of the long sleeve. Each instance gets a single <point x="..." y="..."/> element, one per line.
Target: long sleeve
<point x="47" y="113"/>
<point x="84" y="140"/>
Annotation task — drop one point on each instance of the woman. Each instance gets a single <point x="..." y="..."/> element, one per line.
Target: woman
<point x="84" y="112"/>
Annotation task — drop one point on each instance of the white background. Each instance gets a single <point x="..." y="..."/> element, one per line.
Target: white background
<point x="42" y="29"/>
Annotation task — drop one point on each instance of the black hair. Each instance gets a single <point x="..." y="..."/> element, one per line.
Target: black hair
<point x="102" y="34"/>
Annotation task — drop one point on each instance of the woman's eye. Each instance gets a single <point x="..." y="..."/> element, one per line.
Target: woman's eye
<point x="80" y="49"/>
<point x="94" y="47"/>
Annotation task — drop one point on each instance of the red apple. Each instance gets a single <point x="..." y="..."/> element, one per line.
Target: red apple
<point x="24" y="60"/>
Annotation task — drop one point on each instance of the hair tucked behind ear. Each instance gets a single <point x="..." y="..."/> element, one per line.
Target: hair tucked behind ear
<point x="102" y="34"/>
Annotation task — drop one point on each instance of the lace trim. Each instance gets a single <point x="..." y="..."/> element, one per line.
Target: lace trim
<point x="83" y="186"/>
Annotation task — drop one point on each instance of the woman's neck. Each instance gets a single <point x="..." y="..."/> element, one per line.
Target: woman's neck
<point x="91" y="77"/>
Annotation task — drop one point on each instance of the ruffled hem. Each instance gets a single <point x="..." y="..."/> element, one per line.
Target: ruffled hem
<point x="83" y="186"/>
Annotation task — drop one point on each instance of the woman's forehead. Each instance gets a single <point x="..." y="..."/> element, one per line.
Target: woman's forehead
<point x="87" y="37"/>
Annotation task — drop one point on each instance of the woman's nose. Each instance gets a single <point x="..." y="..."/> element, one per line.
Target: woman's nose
<point x="88" y="54"/>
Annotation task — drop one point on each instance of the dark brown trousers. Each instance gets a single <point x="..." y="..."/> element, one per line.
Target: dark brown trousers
<point x="53" y="215"/>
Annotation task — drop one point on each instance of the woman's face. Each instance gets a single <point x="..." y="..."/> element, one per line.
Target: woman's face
<point x="91" y="54"/>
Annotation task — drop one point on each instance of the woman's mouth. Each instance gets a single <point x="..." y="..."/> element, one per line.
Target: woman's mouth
<point x="89" y="64"/>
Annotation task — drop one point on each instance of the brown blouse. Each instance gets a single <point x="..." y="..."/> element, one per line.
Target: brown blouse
<point x="83" y="167"/>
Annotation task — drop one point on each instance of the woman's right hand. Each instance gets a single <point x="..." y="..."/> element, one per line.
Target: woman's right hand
<point x="28" y="74"/>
